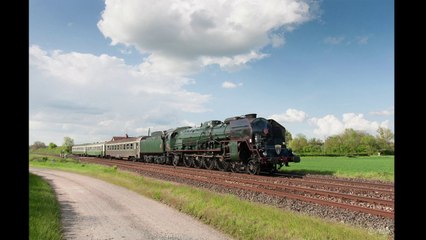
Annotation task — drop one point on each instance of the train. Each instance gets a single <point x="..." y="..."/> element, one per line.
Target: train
<point x="245" y="143"/>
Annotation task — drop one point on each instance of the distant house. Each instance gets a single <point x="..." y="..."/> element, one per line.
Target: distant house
<point x="115" y="138"/>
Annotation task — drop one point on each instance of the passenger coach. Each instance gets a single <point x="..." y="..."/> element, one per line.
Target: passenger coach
<point x="127" y="148"/>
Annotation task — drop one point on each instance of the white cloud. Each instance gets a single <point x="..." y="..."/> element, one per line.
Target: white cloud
<point x="277" y="40"/>
<point x="95" y="96"/>
<point x="383" y="112"/>
<point x="334" y="40"/>
<point x="203" y="32"/>
<point x="331" y="125"/>
<point x="227" y="84"/>
<point x="233" y="63"/>
<point x="126" y="51"/>
<point x="327" y="125"/>
<point x="291" y="115"/>
<point x="361" y="40"/>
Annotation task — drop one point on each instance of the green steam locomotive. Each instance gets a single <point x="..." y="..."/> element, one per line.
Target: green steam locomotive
<point x="238" y="144"/>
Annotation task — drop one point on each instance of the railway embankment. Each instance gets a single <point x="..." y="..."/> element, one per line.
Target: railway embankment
<point x="225" y="212"/>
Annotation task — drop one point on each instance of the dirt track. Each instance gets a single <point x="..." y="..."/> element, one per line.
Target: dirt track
<point x="94" y="209"/>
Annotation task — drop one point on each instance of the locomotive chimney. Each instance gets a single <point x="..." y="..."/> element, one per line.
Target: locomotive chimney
<point x="251" y="115"/>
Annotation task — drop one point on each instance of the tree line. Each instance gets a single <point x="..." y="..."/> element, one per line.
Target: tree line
<point x="349" y="143"/>
<point x="67" y="145"/>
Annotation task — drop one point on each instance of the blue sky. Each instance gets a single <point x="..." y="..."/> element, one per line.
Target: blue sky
<point x="103" y="68"/>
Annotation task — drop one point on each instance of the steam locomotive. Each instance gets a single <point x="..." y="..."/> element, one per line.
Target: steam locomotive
<point x="238" y="144"/>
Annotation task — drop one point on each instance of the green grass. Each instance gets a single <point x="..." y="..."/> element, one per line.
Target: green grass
<point x="44" y="210"/>
<point x="240" y="219"/>
<point x="373" y="167"/>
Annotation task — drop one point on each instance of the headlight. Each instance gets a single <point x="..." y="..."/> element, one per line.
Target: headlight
<point x="256" y="138"/>
<point x="278" y="149"/>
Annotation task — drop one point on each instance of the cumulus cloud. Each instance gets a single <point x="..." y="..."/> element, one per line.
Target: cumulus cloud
<point x="331" y="125"/>
<point x="94" y="95"/>
<point x="227" y="33"/>
<point x="227" y="84"/>
<point x="291" y="115"/>
<point x="84" y="93"/>
<point x="383" y="112"/>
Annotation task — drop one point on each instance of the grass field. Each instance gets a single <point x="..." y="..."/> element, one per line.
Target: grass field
<point x="240" y="219"/>
<point x="375" y="167"/>
<point x="44" y="210"/>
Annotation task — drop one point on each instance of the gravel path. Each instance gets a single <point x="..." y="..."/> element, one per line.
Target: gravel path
<point x="94" y="209"/>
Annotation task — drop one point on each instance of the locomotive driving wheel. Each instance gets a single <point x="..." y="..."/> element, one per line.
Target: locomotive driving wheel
<point x="253" y="167"/>
<point x="222" y="165"/>
<point x="233" y="167"/>
<point x="175" y="160"/>
<point x="187" y="161"/>
<point x="209" y="163"/>
<point x="198" y="162"/>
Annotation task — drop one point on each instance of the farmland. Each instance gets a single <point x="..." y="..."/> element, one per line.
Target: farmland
<point x="369" y="167"/>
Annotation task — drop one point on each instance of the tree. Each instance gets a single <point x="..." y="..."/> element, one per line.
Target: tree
<point x="351" y="140"/>
<point x="314" y="146"/>
<point x="299" y="143"/>
<point x="369" y="144"/>
<point x="52" y="146"/>
<point x="332" y="145"/>
<point x="37" y="145"/>
<point x="288" y="137"/>
<point x="385" y="139"/>
<point x="68" y="143"/>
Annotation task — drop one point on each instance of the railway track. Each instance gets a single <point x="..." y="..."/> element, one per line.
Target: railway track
<point x="372" y="198"/>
